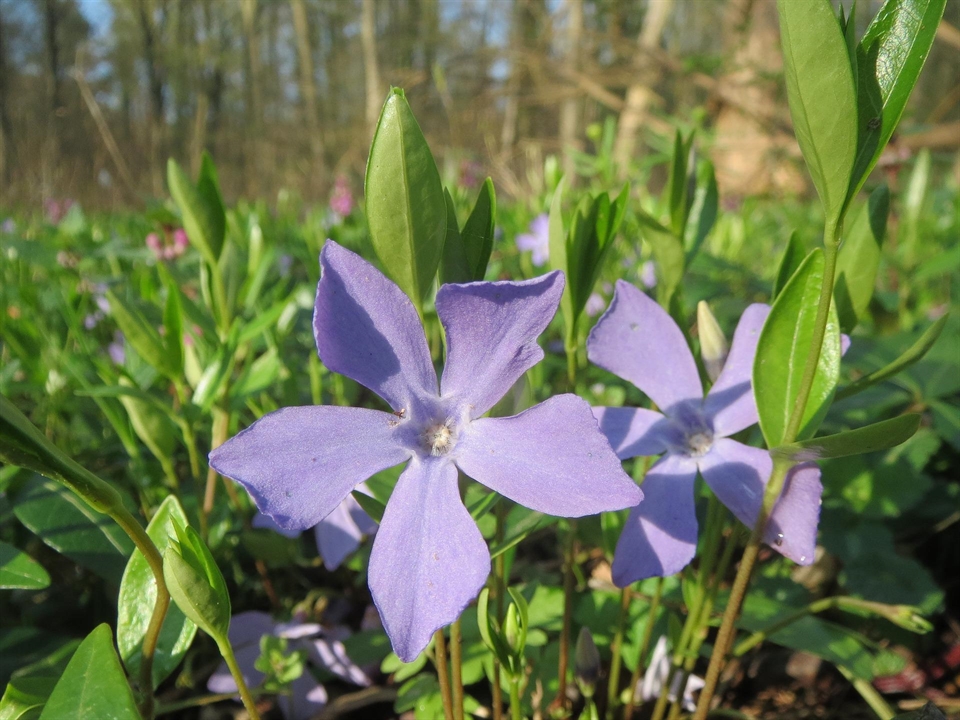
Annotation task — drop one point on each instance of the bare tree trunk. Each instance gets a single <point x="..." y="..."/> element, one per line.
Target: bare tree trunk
<point x="51" y="150"/>
<point x="308" y="91"/>
<point x="248" y="9"/>
<point x="568" y="111"/>
<point x="368" y="36"/>
<point x="6" y="131"/>
<point x="747" y="153"/>
<point x="156" y="119"/>
<point x="640" y="93"/>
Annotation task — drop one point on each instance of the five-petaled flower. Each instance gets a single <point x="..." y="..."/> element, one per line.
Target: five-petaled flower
<point x="428" y="560"/>
<point x="637" y="340"/>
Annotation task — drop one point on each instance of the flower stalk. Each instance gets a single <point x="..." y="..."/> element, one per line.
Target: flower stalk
<point x="245" y="697"/>
<point x="443" y="677"/>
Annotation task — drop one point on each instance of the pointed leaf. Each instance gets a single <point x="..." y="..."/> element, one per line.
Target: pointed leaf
<point x="878" y="436"/>
<point x="138" y="594"/>
<point x="406" y="210"/>
<point x="782" y="352"/>
<point x="792" y="258"/>
<point x="201" y="206"/>
<point x="477" y="233"/>
<point x="889" y="59"/>
<point x="668" y="255"/>
<point x="822" y="97"/>
<point x="19" y="571"/>
<point x="173" y="326"/>
<point x="859" y="259"/>
<point x="141" y="335"/>
<point x="703" y="210"/>
<point x="68" y="525"/>
<point x="93" y="686"/>
<point x="454" y="266"/>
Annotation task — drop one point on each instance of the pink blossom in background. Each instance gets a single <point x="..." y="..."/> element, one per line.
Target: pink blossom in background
<point x="341" y="201"/>
<point x="470" y="172"/>
<point x="56" y="209"/>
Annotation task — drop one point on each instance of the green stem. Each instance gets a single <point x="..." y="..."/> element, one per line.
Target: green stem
<point x="499" y="588"/>
<point x="516" y="711"/>
<point x="440" y="660"/>
<point x="456" y="666"/>
<point x="644" y="649"/>
<point x="777" y="478"/>
<point x="616" y="650"/>
<point x="245" y="697"/>
<point x="568" y="591"/>
<point x="873" y="698"/>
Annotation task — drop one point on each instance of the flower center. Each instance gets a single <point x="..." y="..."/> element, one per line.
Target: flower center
<point x="699" y="443"/>
<point x="439" y="438"/>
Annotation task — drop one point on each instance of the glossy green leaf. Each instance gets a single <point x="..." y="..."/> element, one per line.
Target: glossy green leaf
<point x="20" y="571"/>
<point x="370" y="505"/>
<point x="703" y="210"/>
<point x="24" y="697"/>
<point x="822" y="97"/>
<point x="138" y="594"/>
<point x="201" y="206"/>
<point x="477" y="232"/>
<point x="196" y="583"/>
<point x="406" y="210"/>
<point x="877" y="436"/>
<point x="782" y="352"/>
<point x="859" y="259"/>
<point x="68" y="525"/>
<point x="915" y="353"/>
<point x="790" y="261"/>
<point x="258" y="375"/>
<point x="142" y="336"/>
<point x="454" y="266"/>
<point x="889" y="59"/>
<point x="93" y="686"/>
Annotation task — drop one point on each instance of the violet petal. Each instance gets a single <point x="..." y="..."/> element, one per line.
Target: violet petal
<point x="551" y="458"/>
<point x="730" y="403"/>
<point x="298" y="463"/>
<point x="332" y="655"/>
<point x="738" y="475"/>
<point x="660" y="536"/>
<point x="428" y="560"/>
<point x="367" y="329"/>
<point x="306" y="697"/>
<point x="337" y="535"/>
<point x="492" y="330"/>
<point x="637" y="340"/>
<point x="634" y="431"/>
<point x="792" y="530"/>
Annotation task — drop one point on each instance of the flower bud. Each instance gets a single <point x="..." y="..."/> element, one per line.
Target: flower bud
<point x="713" y="345"/>
<point x="586" y="663"/>
<point x="196" y="583"/>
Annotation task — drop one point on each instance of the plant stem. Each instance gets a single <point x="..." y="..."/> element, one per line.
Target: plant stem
<point x="644" y="649"/>
<point x="869" y="693"/>
<point x="616" y="651"/>
<point x="245" y="697"/>
<point x="516" y="711"/>
<point x="440" y="660"/>
<point x="456" y="669"/>
<point x="568" y="589"/>
<point x="221" y="421"/>
<point x="781" y="467"/>
<point x="499" y="588"/>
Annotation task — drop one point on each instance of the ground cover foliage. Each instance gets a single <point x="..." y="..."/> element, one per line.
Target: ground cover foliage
<point x="811" y="569"/>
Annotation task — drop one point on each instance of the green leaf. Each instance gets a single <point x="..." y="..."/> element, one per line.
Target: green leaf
<point x="889" y="59"/>
<point x="142" y="336"/>
<point x="669" y="256"/>
<point x="790" y="261"/>
<point x="151" y="425"/>
<point x="877" y="436"/>
<point x="24" y="697"/>
<point x="93" y="686"/>
<point x="68" y="525"/>
<point x="477" y="233"/>
<point x="912" y="355"/>
<point x="703" y="210"/>
<point x="678" y="187"/>
<point x="822" y="97"/>
<point x="859" y="259"/>
<point x="782" y="352"/>
<point x="406" y="210"/>
<point x="196" y="583"/>
<point x="173" y="326"/>
<point x="558" y="255"/>
<point x="138" y="594"/>
<point x="370" y="505"/>
<point x="201" y="206"/>
<point x="19" y="571"/>
<point x="454" y="266"/>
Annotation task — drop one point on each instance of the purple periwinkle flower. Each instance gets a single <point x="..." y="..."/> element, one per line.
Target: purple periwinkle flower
<point x="595" y="305"/>
<point x="117" y="349"/>
<point x="537" y="241"/>
<point x="648" y="274"/>
<point x="307" y="696"/>
<point x="637" y="340"/>
<point x="337" y="535"/>
<point x="428" y="559"/>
